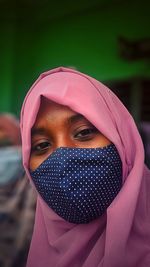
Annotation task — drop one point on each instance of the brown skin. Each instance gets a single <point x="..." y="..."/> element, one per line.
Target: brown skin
<point x="58" y="126"/>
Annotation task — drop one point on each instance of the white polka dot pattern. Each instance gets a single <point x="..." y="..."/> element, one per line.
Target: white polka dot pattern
<point x="79" y="183"/>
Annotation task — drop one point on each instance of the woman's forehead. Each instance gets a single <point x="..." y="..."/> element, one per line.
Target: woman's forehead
<point x="51" y="109"/>
<point x="51" y="112"/>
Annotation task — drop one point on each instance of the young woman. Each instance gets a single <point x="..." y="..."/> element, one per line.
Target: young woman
<point x="85" y="158"/>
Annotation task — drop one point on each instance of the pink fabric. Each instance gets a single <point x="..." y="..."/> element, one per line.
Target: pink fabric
<point x="120" y="238"/>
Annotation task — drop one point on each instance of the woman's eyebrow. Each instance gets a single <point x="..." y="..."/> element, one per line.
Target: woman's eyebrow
<point x="73" y="119"/>
<point x="76" y="118"/>
<point x="38" y="131"/>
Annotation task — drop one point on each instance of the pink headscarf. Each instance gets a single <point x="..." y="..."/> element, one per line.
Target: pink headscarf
<point x="120" y="238"/>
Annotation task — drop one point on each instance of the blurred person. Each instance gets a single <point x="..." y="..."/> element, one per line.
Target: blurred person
<point x="84" y="156"/>
<point x="10" y="149"/>
<point x="16" y="197"/>
<point x="9" y="130"/>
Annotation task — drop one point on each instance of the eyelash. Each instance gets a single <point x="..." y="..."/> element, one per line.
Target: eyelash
<point x="39" y="147"/>
<point x="85" y="134"/>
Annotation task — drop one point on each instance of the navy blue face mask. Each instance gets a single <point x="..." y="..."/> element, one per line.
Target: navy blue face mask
<point x="79" y="183"/>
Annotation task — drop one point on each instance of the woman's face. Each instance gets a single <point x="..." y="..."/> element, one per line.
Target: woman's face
<point x="58" y="126"/>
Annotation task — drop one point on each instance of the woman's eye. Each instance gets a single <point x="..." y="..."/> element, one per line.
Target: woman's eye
<point x="86" y="134"/>
<point x="41" y="147"/>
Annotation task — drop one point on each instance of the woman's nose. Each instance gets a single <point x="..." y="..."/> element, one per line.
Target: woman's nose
<point x="63" y="141"/>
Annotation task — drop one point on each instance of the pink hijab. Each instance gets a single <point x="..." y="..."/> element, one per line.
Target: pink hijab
<point x="119" y="238"/>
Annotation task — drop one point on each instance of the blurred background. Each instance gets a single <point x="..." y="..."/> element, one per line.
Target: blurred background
<point x="107" y="39"/>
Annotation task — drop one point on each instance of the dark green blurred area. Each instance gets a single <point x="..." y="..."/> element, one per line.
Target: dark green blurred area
<point x="39" y="35"/>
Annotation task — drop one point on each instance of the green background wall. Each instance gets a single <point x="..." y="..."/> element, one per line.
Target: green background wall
<point x="84" y="35"/>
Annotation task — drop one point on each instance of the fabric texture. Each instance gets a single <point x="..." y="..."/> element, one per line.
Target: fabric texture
<point x="79" y="183"/>
<point x="121" y="236"/>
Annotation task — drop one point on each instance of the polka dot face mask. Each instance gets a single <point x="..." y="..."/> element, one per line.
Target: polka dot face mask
<point x="79" y="183"/>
